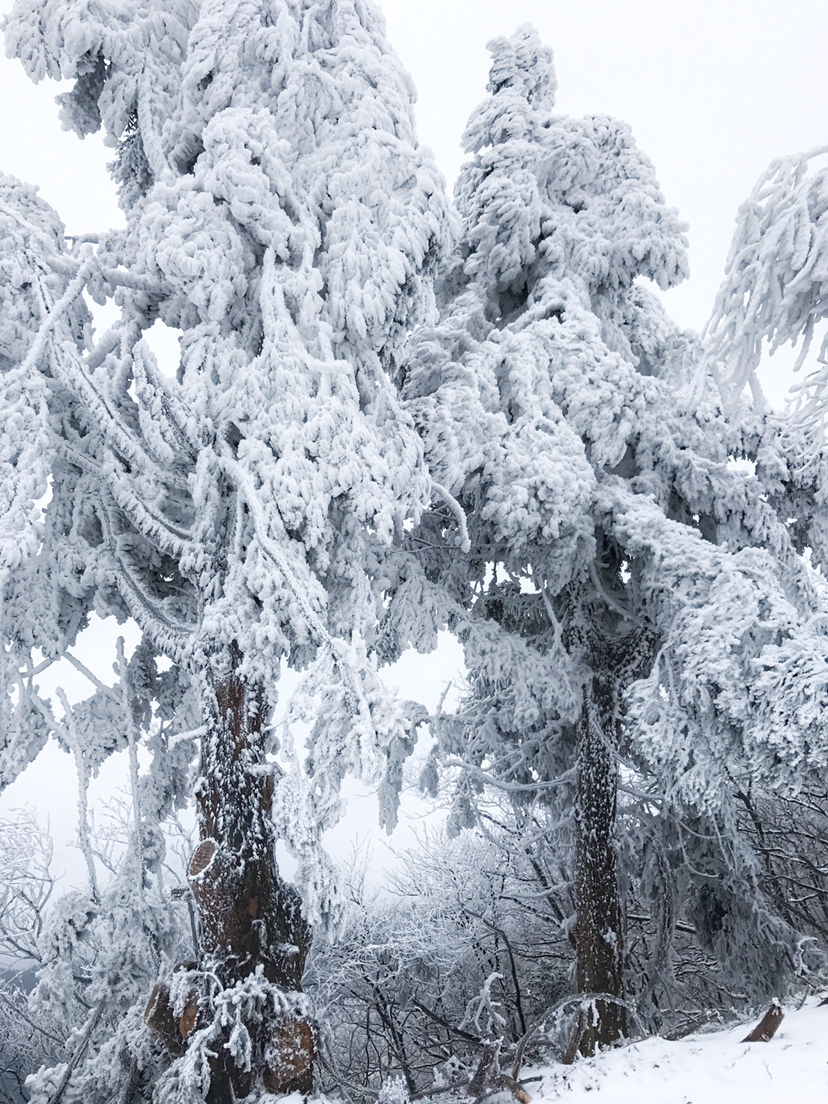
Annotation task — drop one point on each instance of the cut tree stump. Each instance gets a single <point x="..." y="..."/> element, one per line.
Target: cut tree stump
<point x="766" y="1028"/>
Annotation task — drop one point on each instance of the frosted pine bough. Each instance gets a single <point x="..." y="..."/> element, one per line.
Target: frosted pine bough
<point x="619" y="589"/>
<point x="281" y="217"/>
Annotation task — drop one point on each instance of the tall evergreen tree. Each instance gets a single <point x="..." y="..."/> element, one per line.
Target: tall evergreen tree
<point x="281" y="218"/>
<point x="625" y="581"/>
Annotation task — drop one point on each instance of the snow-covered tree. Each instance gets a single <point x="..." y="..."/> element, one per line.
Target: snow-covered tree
<point x="461" y="950"/>
<point x="626" y="584"/>
<point x="469" y="946"/>
<point x="775" y="284"/>
<point x="637" y="611"/>
<point x="281" y="218"/>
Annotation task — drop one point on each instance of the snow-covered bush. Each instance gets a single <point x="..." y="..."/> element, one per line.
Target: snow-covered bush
<point x="90" y="956"/>
<point x="463" y="948"/>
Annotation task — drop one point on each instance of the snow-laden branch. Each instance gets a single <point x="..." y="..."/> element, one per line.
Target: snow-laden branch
<point x="68" y="366"/>
<point x="132" y="743"/>
<point x="76" y="744"/>
<point x="774" y="290"/>
<point x="457" y="510"/>
<point x="84" y="670"/>
<point x="351" y="683"/>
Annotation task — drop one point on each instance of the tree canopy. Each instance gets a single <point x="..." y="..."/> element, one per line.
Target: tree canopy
<point x="389" y="417"/>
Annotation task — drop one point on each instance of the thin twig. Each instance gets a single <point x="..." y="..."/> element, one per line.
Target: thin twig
<point x="445" y="1023"/>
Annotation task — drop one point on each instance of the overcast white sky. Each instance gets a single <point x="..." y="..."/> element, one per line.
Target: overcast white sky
<point x="713" y="89"/>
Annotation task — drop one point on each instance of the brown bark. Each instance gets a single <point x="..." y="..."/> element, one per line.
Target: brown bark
<point x="160" y="1019"/>
<point x="574" y="1044"/>
<point x="489" y="1079"/>
<point x="249" y="918"/>
<point x="616" y="655"/>
<point x="599" y="929"/>
<point x="766" y="1028"/>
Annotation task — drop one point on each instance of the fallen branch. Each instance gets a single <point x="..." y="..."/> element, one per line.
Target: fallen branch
<point x="688" y="1028"/>
<point x="575" y="1038"/>
<point x="489" y="1078"/>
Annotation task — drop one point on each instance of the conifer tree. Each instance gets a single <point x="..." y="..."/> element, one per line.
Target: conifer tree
<point x="281" y="218"/>
<point x="625" y="582"/>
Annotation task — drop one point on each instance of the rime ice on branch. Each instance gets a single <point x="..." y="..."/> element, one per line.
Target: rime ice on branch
<point x="776" y="280"/>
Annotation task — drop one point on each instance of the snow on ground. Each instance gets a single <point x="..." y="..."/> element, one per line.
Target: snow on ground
<point x="711" y="1068"/>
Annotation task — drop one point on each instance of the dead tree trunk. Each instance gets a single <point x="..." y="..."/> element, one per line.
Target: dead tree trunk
<point x="249" y="918"/>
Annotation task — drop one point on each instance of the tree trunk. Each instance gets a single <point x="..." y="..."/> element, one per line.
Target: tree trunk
<point x="617" y="655"/>
<point x="599" y="929"/>
<point x="249" y="918"/>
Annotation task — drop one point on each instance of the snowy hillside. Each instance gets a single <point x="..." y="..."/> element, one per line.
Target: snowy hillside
<point x="711" y="1068"/>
